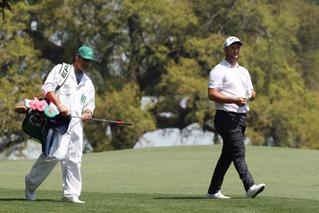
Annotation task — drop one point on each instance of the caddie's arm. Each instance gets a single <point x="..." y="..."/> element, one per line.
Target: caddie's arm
<point x="215" y="95"/>
<point x="90" y="105"/>
<point x="51" y="96"/>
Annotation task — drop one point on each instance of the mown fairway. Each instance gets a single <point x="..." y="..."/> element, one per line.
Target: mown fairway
<point x="171" y="180"/>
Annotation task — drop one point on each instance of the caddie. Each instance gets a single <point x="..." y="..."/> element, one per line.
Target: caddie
<point x="75" y="96"/>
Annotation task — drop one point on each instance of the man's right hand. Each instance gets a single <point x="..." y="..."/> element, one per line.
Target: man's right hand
<point x="240" y="101"/>
<point x="63" y="110"/>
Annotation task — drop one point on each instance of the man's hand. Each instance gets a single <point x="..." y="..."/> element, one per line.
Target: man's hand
<point x="241" y="101"/>
<point x="86" y="115"/>
<point x="54" y="99"/>
<point x="63" y="110"/>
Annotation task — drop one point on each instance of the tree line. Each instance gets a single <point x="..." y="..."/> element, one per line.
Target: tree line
<point x="165" y="49"/>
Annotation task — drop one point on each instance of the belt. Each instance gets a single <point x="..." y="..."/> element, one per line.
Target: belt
<point x="230" y="113"/>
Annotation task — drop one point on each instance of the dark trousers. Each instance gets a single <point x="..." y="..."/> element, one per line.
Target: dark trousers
<point x="231" y="127"/>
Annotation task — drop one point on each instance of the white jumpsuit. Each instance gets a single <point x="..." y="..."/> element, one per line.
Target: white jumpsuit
<point x="67" y="147"/>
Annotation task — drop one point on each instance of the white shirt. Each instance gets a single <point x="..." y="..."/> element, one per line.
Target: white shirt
<point x="231" y="81"/>
<point x="76" y="97"/>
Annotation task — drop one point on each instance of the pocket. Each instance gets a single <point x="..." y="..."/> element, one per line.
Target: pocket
<point x="225" y="121"/>
<point x="65" y="90"/>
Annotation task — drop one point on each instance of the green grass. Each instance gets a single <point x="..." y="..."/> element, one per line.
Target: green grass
<point x="171" y="180"/>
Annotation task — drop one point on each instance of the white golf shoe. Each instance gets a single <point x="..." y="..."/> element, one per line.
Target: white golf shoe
<point x="254" y="190"/>
<point x="217" y="195"/>
<point x="72" y="199"/>
<point x="29" y="194"/>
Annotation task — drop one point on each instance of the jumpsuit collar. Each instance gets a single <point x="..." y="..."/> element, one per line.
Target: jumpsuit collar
<point x="83" y="79"/>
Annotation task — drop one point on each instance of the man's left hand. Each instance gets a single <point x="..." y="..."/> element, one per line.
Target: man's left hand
<point x="87" y="115"/>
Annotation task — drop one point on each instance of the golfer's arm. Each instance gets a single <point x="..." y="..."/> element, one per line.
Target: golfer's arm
<point x="215" y="95"/>
<point x="253" y="95"/>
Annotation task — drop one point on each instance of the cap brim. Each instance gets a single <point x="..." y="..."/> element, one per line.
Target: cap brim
<point x="88" y="58"/>
<point x="238" y="42"/>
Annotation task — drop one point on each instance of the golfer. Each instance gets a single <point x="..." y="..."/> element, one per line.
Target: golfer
<point x="230" y="87"/>
<point x="76" y="98"/>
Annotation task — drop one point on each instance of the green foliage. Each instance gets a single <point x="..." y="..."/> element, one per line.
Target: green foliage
<point x="178" y="15"/>
<point x="20" y="72"/>
<point x="202" y="50"/>
<point x="184" y="81"/>
<point x="120" y="105"/>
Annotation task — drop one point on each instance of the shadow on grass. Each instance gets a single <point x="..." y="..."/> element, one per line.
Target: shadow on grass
<point x="194" y="198"/>
<point x="23" y="199"/>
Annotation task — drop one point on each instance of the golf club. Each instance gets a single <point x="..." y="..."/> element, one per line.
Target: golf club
<point x="108" y="121"/>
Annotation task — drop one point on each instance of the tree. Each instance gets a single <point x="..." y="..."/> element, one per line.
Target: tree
<point x="20" y="74"/>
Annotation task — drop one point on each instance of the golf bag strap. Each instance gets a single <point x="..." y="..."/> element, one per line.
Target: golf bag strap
<point x="64" y="73"/>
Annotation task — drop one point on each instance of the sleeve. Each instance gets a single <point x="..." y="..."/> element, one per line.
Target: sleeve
<point x="216" y="78"/>
<point x="249" y="85"/>
<point x="249" y="82"/>
<point x="90" y="104"/>
<point x="51" y="81"/>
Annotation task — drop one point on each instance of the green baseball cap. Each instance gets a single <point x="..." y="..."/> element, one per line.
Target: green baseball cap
<point x="85" y="52"/>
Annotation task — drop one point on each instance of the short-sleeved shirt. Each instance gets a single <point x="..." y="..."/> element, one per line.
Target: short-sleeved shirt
<point x="231" y="81"/>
